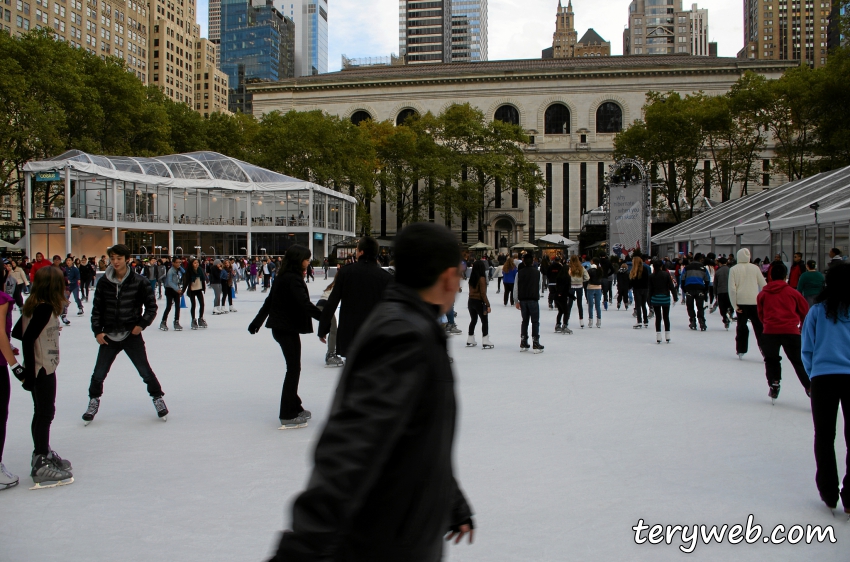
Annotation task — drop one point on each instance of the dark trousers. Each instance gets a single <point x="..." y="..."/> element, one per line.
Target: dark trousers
<point x="172" y="297"/>
<point x="84" y="288"/>
<point x="5" y="394"/>
<point x="226" y="294"/>
<point x="607" y="295"/>
<point x="790" y="343"/>
<point x="290" y="344"/>
<point x="266" y="280"/>
<point x="622" y="297"/>
<point x="199" y="295"/>
<point x="662" y="312"/>
<point x="553" y="289"/>
<point x="530" y="313"/>
<point x="134" y="347"/>
<point x="509" y="292"/>
<point x="696" y="299"/>
<point x="828" y="391"/>
<point x="725" y="305"/>
<point x="575" y="297"/>
<point x="44" y="408"/>
<point x="742" y="334"/>
<point x="19" y="300"/>
<point x="563" y="304"/>
<point x="498" y="284"/>
<point x="477" y="308"/>
<point x="640" y="306"/>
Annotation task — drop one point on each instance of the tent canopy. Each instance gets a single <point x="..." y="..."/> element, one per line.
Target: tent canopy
<point x="481" y="246"/>
<point x="558" y="239"/>
<point x="524" y="246"/>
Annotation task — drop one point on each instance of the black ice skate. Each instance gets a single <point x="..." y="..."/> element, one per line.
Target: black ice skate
<point x="163" y="326"/>
<point x="45" y="474"/>
<point x="773" y="392"/>
<point x="693" y="325"/>
<point x="177" y="326"/>
<point x="202" y="323"/>
<point x="703" y="327"/>
<point x="537" y="347"/>
<point x="91" y="412"/>
<point x="523" y="345"/>
<point x="161" y="410"/>
<point x="65" y="320"/>
<point x="333" y="360"/>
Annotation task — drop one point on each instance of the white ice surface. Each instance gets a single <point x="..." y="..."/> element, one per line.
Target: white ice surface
<point x="559" y="454"/>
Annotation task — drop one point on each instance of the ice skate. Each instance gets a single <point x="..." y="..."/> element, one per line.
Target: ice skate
<point x="177" y="326"/>
<point x="297" y="422"/>
<point x="470" y="341"/>
<point x="163" y="326"/>
<point x="692" y="325"/>
<point x="65" y="320"/>
<point x="91" y="411"/>
<point x="523" y="345"/>
<point x="557" y="328"/>
<point x="566" y="330"/>
<point x="45" y="474"/>
<point x="590" y="324"/>
<point x="657" y="337"/>
<point x="232" y="309"/>
<point x="202" y="323"/>
<point x="667" y="336"/>
<point x="80" y="311"/>
<point x="217" y="311"/>
<point x="703" y="327"/>
<point x="161" y="410"/>
<point x="638" y="326"/>
<point x="194" y="325"/>
<point x="58" y="462"/>
<point x="7" y="479"/>
<point x="773" y="392"/>
<point x="486" y="343"/>
<point x="333" y="360"/>
<point x="581" y="323"/>
<point x="741" y="356"/>
<point x="599" y="322"/>
<point x="537" y="347"/>
<point x="453" y="330"/>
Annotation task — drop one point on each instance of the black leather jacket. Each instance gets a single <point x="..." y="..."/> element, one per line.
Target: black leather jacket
<point x="117" y="307"/>
<point x="383" y="489"/>
<point x="288" y="306"/>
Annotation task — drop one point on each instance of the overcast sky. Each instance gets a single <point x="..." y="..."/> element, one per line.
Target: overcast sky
<point x="518" y="29"/>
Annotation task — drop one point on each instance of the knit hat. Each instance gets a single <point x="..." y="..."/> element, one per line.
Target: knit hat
<point x="217" y="262"/>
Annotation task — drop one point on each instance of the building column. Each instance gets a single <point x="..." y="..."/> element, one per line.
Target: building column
<point x="114" y="213"/>
<point x="170" y="221"/>
<point x="575" y="195"/>
<point x="28" y="211"/>
<point x="67" y="210"/>
<point x="249" y="221"/>
<point x="310" y="221"/>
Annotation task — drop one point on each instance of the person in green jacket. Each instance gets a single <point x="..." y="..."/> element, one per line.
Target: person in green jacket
<point x="811" y="282"/>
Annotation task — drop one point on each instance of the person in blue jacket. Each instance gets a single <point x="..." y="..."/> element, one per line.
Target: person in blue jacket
<point x="695" y="283"/>
<point x="825" y="345"/>
<point x="72" y="281"/>
<point x="509" y="271"/>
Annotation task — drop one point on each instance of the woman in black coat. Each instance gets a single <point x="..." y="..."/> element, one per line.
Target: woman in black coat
<point x="287" y="311"/>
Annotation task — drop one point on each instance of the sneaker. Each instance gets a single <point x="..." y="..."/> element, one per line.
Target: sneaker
<point x="45" y="474"/>
<point x="91" y="412"/>
<point x="333" y="360"/>
<point x="161" y="409"/>
<point x="80" y="311"/>
<point x="177" y="326"/>
<point x="163" y="326"/>
<point x="297" y="422"/>
<point x="7" y="479"/>
<point x="65" y="320"/>
<point x="194" y="324"/>
<point x="537" y="347"/>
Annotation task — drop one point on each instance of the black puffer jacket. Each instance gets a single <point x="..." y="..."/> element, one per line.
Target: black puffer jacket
<point x="383" y="487"/>
<point x="117" y="306"/>
<point x="288" y="306"/>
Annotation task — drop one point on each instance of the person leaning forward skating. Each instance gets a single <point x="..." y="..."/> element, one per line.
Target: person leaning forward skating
<point x="383" y="487"/>
<point x="124" y="305"/>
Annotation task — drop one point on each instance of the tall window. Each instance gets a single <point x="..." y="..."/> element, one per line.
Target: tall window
<point x="360" y="116"/>
<point x="404" y="115"/>
<point x="507" y="114"/>
<point x="557" y="120"/>
<point x="609" y="118"/>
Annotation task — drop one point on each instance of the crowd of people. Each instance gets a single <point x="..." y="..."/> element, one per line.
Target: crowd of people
<point x="798" y="310"/>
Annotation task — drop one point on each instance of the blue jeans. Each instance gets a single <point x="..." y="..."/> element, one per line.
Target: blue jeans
<point x="450" y="315"/>
<point x="134" y="347"/>
<point x="594" y="299"/>
<point x="530" y="312"/>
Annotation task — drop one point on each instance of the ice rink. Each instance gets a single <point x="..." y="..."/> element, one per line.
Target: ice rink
<point x="560" y="454"/>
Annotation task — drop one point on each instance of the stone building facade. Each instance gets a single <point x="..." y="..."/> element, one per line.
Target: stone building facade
<point x="571" y="108"/>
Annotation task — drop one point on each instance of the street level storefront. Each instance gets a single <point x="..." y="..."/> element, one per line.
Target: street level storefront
<point x="810" y="216"/>
<point x="183" y="204"/>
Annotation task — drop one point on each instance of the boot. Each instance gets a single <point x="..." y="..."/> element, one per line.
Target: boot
<point x="470" y="341"/>
<point x="80" y="311"/>
<point x="667" y="336"/>
<point x="523" y="344"/>
<point x="590" y="322"/>
<point x="599" y="322"/>
<point x="163" y="326"/>
<point x="194" y="324"/>
<point x="454" y="330"/>
<point x="486" y="343"/>
<point x="658" y="337"/>
<point x="557" y="328"/>
<point x="177" y="326"/>
<point x="202" y="323"/>
<point x="537" y="347"/>
<point x="232" y="309"/>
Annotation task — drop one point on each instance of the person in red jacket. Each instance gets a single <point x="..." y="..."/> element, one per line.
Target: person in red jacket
<point x="797" y="269"/>
<point x="37" y="264"/>
<point x="782" y="311"/>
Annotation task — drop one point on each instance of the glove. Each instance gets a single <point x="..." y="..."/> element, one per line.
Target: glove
<point x="254" y="327"/>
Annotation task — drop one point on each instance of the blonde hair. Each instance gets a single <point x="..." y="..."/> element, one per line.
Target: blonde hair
<point x="575" y="266"/>
<point x="509" y="265"/>
<point x="637" y="268"/>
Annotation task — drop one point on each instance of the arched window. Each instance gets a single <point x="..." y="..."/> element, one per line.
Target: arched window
<point x="404" y="115"/>
<point x="507" y="114"/>
<point x="360" y="116"/>
<point x="557" y="120"/>
<point x="609" y="118"/>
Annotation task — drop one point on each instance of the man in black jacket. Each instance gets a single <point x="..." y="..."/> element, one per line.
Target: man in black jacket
<point x="529" y="282"/>
<point x="359" y="287"/>
<point x="383" y="487"/>
<point x="117" y="320"/>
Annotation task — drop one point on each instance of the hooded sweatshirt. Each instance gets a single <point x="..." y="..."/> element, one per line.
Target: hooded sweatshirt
<point x="781" y="309"/>
<point x="745" y="281"/>
<point x="825" y="343"/>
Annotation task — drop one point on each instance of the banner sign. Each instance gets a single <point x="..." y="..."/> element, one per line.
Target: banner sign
<point x="48" y="176"/>
<point x="629" y="191"/>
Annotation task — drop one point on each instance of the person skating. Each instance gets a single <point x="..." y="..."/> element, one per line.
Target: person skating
<point x="124" y="305"/>
<point x="8" y="362"/>
<point x="287" y="311"/>
<point x="781" y="311"/>
<point x="358" y="288"/>
<point x="578" y="277"/>
<point x="721" y="288"/>
<point x="527" y="288"/>
<point x="331" y="358"/>
<point x="195" y="285"/>
<point x="509" y="271"/>
<point x="383" y="486"/>
<point x="552" y="271"/>
<point x="72" y="278"/>
<point x="639" y="283"/>
<point x="563" y="290"/>
<point x="594" y="293"/>
<point x="228" y="281"/>
<point x="623" y="285"/>
<point x="173" y="292"/>
<point x="811" y="282"/>
<point x="39" y="262"/>
<point x="745" y="282"/>
<point x="478" y="305"/>
<point x="798" y="268"/>
<point x="696" y="282"/>
<point x="40" y="339"/>
<point x="825" y="341"/>
<point x="661" y="289"/>
<point x="215" y="285"/>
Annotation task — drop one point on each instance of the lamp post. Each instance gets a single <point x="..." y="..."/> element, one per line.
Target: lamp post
<point x="179" y="248"/>
<point x="199" y="251"/>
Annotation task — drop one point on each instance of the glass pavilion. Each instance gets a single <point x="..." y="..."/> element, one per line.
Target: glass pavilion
<point x="200" y="203"/>
<point x="810" y="216"/>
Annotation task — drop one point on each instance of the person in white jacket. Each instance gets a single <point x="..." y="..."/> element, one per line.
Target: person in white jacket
<point x="745" y="283"/>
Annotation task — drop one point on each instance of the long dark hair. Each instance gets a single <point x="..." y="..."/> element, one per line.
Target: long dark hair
<point x="294" y="257"/>
<point x="48" y="287"/>
<point x="478" y="271"/>
<point x="193" y="273"/>
<point x="836" y="291"/>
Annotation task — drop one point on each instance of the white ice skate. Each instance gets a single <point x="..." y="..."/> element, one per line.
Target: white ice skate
<point x="667" y="336"/>
<point x="657" y="337"/>
<point x="232" y="309"/>
<point x="486" y="343"/>
<point x="470" y="341"/>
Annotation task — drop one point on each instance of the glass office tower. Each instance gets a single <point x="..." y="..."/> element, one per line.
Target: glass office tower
<point x="442" y="31"/>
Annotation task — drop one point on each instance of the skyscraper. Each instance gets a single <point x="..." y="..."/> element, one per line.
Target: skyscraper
<point x="787" y="30"/>
<point x="311" y="34"/>
<point x="662" y="27"/>
<point x="174" y="32"/>
<point x="257" y="45"/>
<point x="565" y="42"/>
<point x="443" y="31"/>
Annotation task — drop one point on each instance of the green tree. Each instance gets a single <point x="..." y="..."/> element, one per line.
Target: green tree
<point x="233" y="135"/>
<point x="833" y="99"/>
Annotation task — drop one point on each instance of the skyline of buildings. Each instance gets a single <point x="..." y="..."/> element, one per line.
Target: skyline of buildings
<point x="437" y="31"/>
<point x="787" y="30"/>
<point x="565" y="43"/>
<point x="663" y="27"/>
